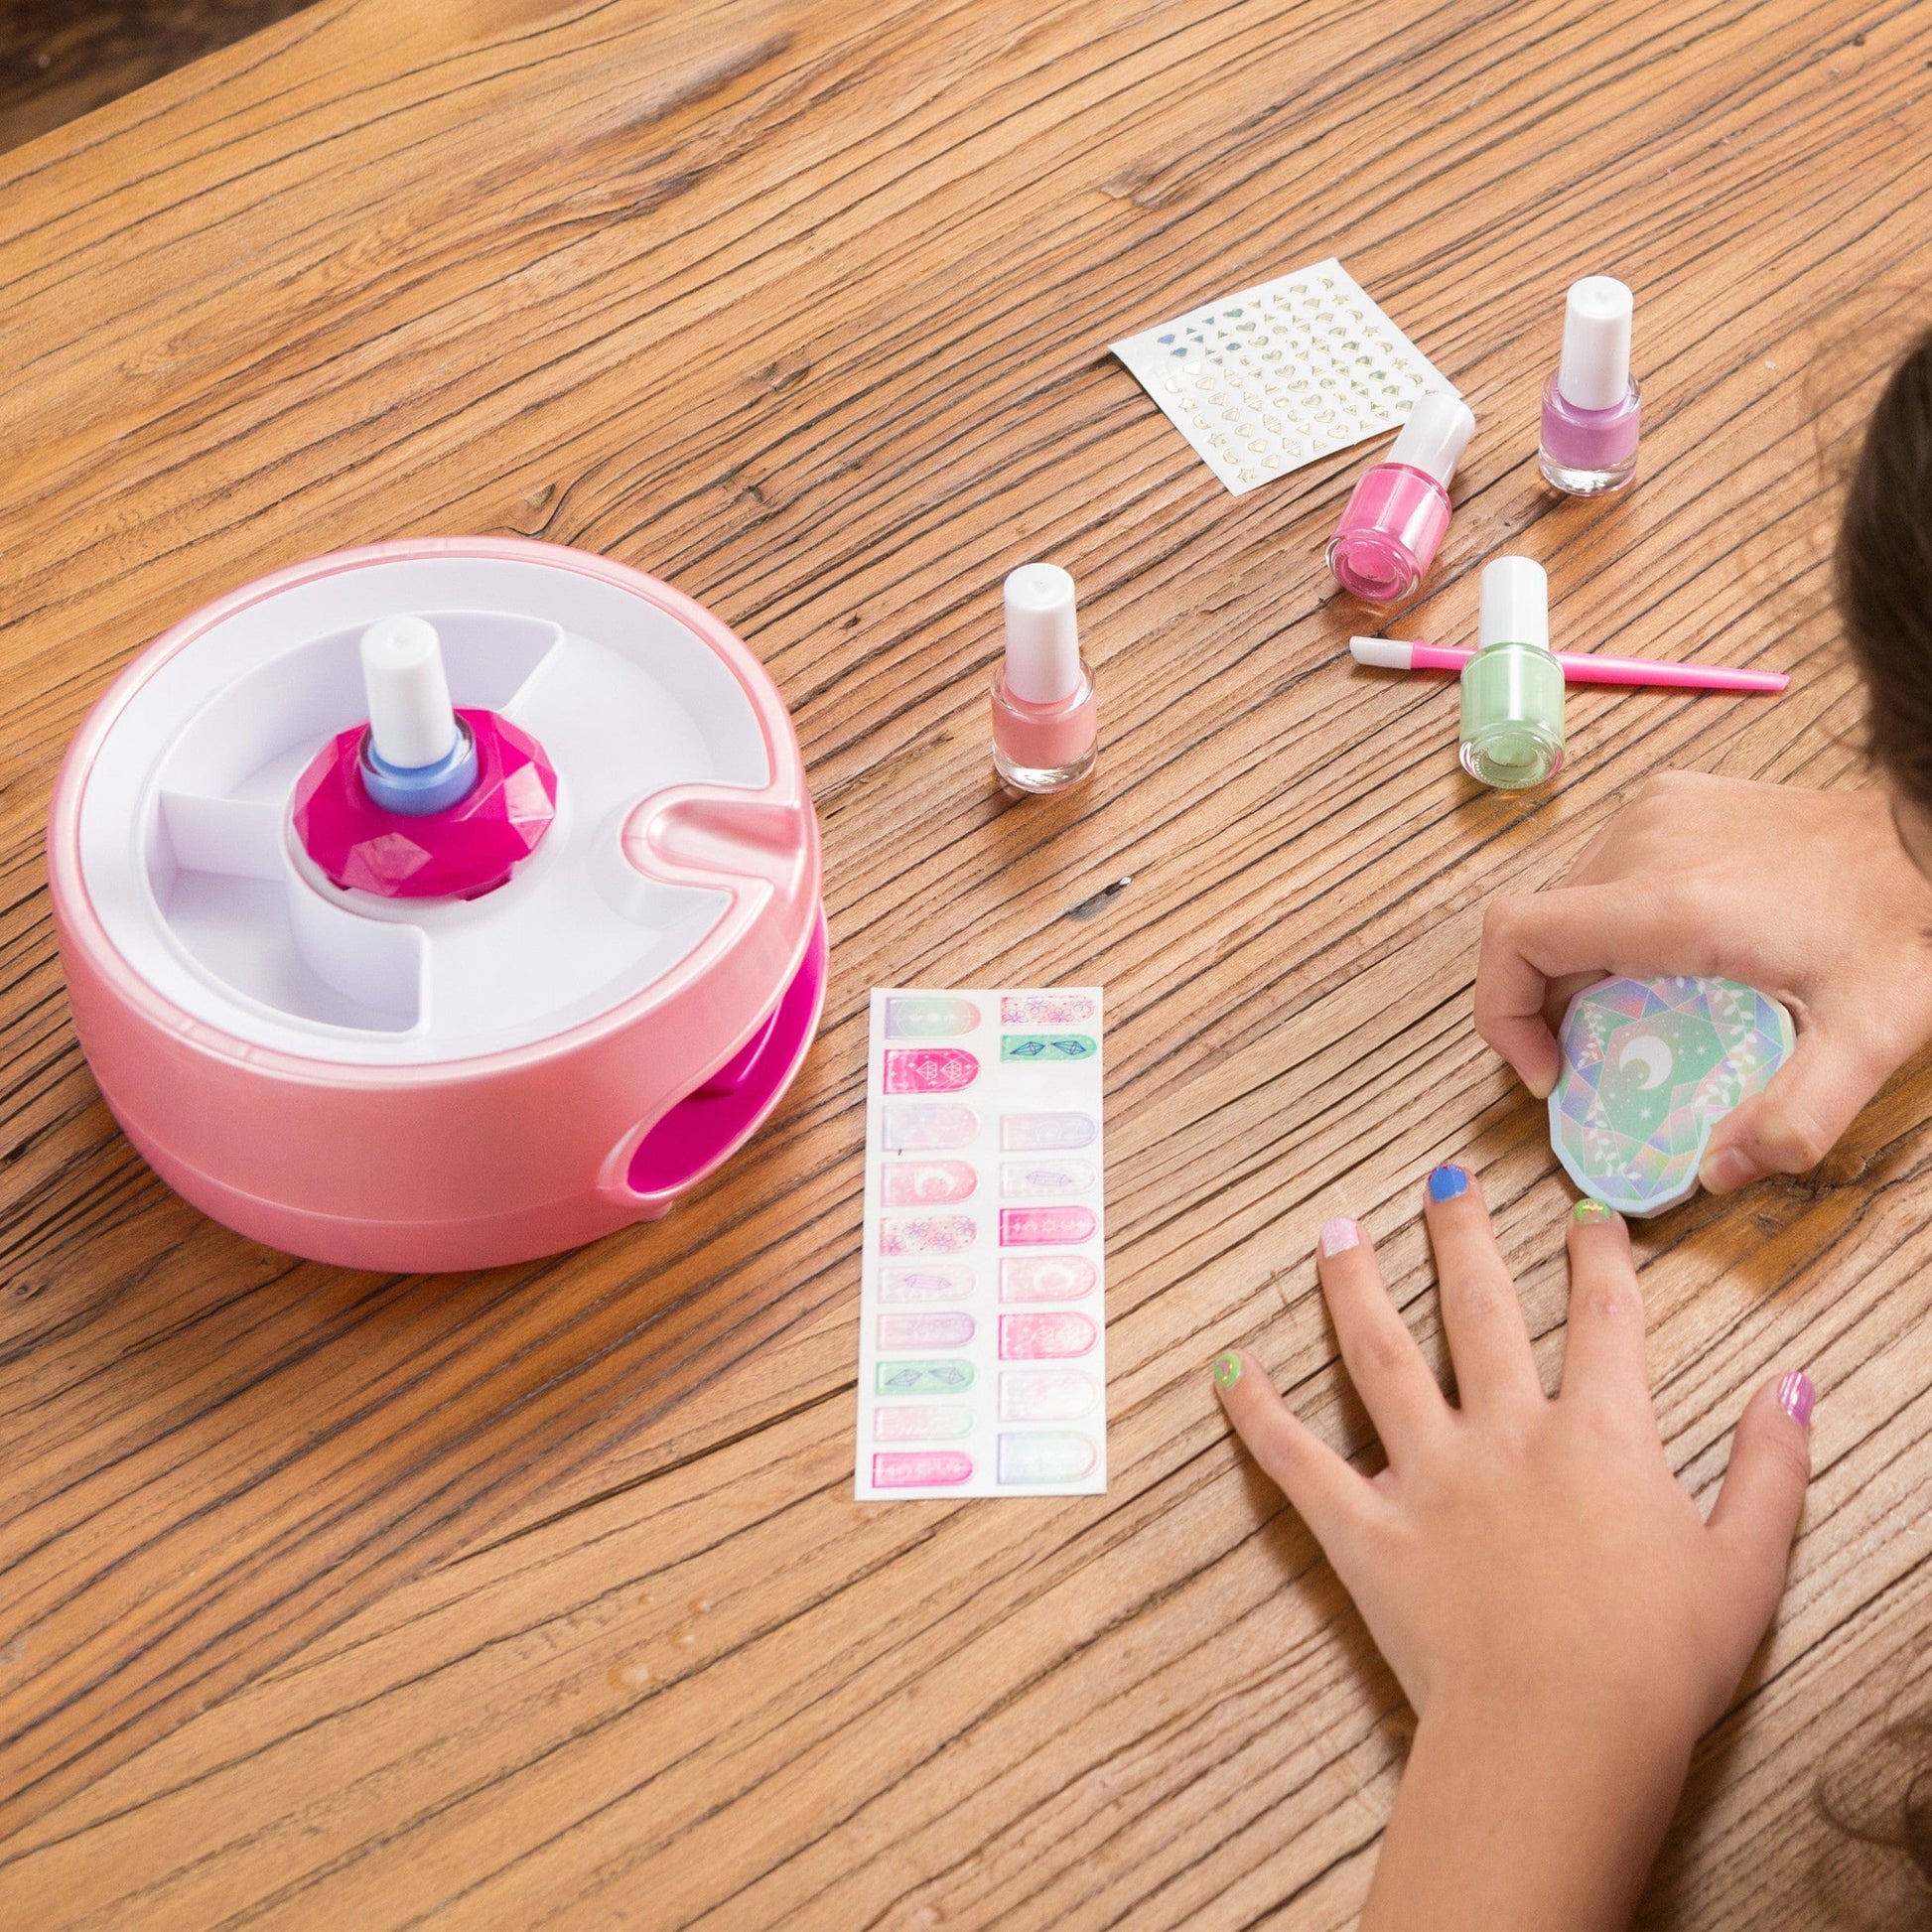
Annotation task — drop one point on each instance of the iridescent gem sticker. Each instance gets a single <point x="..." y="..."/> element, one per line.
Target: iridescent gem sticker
<point x="1649" y="1069"/>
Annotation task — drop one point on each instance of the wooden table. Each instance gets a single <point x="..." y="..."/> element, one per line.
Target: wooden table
<point x="540" y="1596"/>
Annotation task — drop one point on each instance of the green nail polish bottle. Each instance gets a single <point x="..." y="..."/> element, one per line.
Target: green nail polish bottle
<point x="1512" y="688"/>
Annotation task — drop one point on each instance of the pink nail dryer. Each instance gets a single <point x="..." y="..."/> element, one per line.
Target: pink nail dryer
<point x="480" y="1034"/>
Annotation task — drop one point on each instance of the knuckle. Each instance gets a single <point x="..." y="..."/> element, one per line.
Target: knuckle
<point x="1380" y="1350"/>
<point x="1789" y="1453"/>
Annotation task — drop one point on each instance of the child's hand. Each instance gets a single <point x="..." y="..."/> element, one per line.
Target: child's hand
<point x="1562" y="1618"/>
<point x="1806" y="895"/>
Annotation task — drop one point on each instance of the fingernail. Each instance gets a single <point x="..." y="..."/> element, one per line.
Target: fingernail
<point x="1728" y="1168"/>
<point x="1227" y="1371"/>
<point x="1447" y="1181"/>
<point x="1795" y="1397"/>
<point x="1586" y="1214"/>
<point x="1339" y="1236"/>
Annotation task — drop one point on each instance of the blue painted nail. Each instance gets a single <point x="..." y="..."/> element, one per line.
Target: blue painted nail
<point x="1447" y="1181"/>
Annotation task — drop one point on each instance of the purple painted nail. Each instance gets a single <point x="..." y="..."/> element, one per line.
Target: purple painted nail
<point x="1339" y="1236"/>
<point x="1795" y="1397"/>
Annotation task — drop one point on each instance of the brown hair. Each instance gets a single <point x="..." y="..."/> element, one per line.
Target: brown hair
<point x="1876" y="1786"/>
<point x="1885" y="575"/>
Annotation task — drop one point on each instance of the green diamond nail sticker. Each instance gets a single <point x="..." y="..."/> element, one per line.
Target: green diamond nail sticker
<point x="924" y="1378"/>
<point x="1046" y="1047"/>
<point x="1649" y="1069"/>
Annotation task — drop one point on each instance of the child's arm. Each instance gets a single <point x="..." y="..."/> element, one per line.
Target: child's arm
<point x="1563" y="1620"/>
<point x="1810" y="897"/>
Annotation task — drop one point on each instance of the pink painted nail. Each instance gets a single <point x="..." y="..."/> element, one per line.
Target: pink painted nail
<point x="1795" y="1397"/>
<point x="1339" y="1235"/>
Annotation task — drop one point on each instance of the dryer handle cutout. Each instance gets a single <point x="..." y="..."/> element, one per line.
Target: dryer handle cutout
<point x="695" y="1134"/>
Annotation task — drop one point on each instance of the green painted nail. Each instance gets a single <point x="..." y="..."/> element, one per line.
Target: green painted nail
<point x="1586" y="1214"/>
<point x="1227" y="1371"/>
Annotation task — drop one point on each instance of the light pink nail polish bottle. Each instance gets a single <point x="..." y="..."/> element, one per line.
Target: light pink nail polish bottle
<point x="1398" y="514"/>
<point x="1046" y="720"/>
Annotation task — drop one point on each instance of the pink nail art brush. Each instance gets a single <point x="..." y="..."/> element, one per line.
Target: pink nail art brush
<point x="1579" y="667"/>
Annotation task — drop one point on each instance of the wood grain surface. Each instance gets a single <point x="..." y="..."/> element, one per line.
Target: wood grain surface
<point x="540" y="1597"/>
<point x="61" y="58"/>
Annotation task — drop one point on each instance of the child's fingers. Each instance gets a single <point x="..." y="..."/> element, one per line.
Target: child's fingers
<point x="1532" y="941"/>
<point x="1381" y="1356"/>
<point x="1329" y="1495"/>
<point x="1489" y="1340"/>
<point x="1757" y="1512"/>
<point x="1794" y="1123"/>
<point x="1604" y="1354"/>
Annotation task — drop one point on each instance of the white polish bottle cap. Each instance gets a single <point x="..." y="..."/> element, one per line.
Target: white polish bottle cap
<point x="412" y="723"/>
<point x="1513" y="604"/>
<point x="1595" y="373"/>
<point x="1435" y="436"/>
<point x="1043" y="639"/>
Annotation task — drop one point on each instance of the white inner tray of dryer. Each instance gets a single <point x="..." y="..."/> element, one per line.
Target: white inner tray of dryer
<point x="191" y="864"/>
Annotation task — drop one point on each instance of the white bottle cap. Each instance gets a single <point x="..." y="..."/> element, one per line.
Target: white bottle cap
<point x="1043" y="639"/>
<point x="1514" y="606"/>
<point x="411" y="721"/>
<point x="1435" y="434"/>
<point x="1596" y="370"/>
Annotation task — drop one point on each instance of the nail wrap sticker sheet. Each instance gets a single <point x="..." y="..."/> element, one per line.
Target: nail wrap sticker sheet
<point x="982" y="1338"/>
<point x="1268" y="379"/>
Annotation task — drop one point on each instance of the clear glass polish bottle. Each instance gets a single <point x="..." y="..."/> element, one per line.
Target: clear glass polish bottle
<point x="1592" y="404"/>
<point x="1512" y="688"/>
<point x="1398" y="512"/>
<point x="1046" y="715"/>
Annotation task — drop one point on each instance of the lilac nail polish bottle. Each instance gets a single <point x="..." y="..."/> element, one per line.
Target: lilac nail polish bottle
<point x="1589" y="409"/>
<point x="1396" y="515"/>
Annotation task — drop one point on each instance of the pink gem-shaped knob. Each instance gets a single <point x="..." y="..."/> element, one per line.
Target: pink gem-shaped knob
<point x="464" y="852"/>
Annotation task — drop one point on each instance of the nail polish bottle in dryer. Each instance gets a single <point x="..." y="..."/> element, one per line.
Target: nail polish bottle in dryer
<point x="1591" y="405"/>
<point x="441" y="904"/>
<point x="1398" y="512"/>
<point x="1046" y="719"/>
<point x="1512" y="688"/>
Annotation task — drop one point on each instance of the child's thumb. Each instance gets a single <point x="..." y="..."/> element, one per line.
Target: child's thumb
<point x="1757" y="1512"/>
<point x="1795" y="1121"/>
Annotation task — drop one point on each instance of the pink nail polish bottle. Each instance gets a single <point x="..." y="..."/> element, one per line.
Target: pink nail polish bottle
<point x="1591" y="407"/>
<point x="1045" y="722"/>
<point x="1395" y="520"/>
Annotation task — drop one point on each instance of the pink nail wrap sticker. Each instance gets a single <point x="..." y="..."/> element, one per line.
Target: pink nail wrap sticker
<point x="915" y="1127"/>
<point x="1046" y="1009"/>
<point x="923" y="1421"/>
<point x="929" y="1069"/>
<point x="1046" y="1133"/>
<point x="925" y="1234"/>
<point x="1046" y="1278"/>
<point x="930" y="1016"/>
<point x="1044" y="1337"/>
<point x="1025" y="1179"/>
<point x="1044" y="1227"/>
<point x="942" y="1280"/>
<point x="1045" y="1395"/>
<point x="909" y="1184"/>
<point x="945" y="1329"/>
<point x="920" y="1468"/>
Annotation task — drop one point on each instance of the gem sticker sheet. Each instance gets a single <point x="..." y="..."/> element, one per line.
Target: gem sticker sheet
<point x="982" y="1347"/>
<point x="1266" y="380"/>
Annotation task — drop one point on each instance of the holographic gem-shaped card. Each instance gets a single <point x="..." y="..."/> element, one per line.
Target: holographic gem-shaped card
<point x="1649" y="1069"/>
<point x="982" y="1336"/>
<point x="1266" y="380"/>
